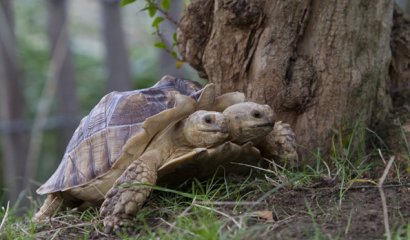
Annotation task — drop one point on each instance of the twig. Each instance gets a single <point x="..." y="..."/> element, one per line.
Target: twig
<point x="77" y="226"/>
<point x="5" y="216"/>
<point x="228" y="203"/>
<point x="283" y="221"/>
<point x="383" y="197"/>
<point x="166" y="15"/>
<point x="172" y="226"/>
<point x="24" y="230"/>
<point x="222" y="213"/>
<point x="255" y="167"/>
<point x="381" y="156"/>
<point x="167" y="48"/>
<point x="184" y="213"/>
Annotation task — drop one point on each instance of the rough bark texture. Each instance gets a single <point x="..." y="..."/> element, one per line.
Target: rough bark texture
<point x="14" y="140"/>
<point x="400" y="66"/>
<point x="323" y="65"/>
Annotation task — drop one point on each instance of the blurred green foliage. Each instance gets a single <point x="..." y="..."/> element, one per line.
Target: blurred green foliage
<point x="88" y="58"/>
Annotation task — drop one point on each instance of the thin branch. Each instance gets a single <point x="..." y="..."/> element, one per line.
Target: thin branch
<point x="77" y="226"/>
<point x="383" y="197"/>
<point x="184" y="213"/>
<point x="166" y="15"/>
<point x="229" y="203"/>
<point x="381" y="156"/>
<point x="222" y="213"/>
<point x="167" y="48"/>
<point x="5" y="216"/>
<point x="173" y="226"/>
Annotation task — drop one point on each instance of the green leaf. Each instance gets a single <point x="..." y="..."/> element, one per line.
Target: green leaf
<point x="179" y="64"/>
<point x="166" y="4"/>
<point x="126" y="2"/>
<point x="160" y="45"/>
<point x="151" y="10"/>
<point x="174" y="54"/>
<point x="174" y="36"/>
<point x="157" y="21"/>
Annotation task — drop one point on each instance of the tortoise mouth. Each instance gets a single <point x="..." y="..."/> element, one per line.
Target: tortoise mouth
<point x="215" y="130"/>
<point x="261" y="125"/>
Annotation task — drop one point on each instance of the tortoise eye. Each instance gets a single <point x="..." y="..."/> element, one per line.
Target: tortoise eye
<point x="208" y="119"/>
<point x="256" y="114"/>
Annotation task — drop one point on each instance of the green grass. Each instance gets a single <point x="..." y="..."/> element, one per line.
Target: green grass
<point x="214" y="209"/>
<point x="229" y="208"/>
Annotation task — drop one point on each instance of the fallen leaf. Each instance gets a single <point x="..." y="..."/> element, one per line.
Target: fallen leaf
<point x="265" y="215"/>
<point x="406" y="128"/>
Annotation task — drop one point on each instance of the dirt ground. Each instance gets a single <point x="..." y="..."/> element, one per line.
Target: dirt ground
<point x="359" y="215"/>
<point x="320" y="210"/>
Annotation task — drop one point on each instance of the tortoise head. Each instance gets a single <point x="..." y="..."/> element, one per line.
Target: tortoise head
<point x="249" y="121"/>
<point x="205" y="128"/>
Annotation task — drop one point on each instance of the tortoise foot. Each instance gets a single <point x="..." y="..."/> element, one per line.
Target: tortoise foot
<point x="285" y="144"/>
<point x="127" y="195"/>
<point x="116" y="223"/>
<point x="51" y="205"/>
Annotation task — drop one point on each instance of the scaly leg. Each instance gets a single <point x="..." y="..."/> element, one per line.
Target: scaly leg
<point x="127" y="195"/>
<point x="51" y="205"/>
<point x="280" y="145"/>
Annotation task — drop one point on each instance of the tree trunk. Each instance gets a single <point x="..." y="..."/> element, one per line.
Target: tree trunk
<point x="400" y="66"/>
<point x="322" y="65"/>
<point x="119" y="76"/>
<point x="67" y="108"/>
<point x="14" y="138"/>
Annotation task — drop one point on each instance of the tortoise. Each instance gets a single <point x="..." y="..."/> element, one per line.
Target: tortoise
<point x="251" y="139"/>
<point x="114" y="134"/>
<point x="279" y="144"/>
<point x="244" y="122"/>
<point x="119" y="131"/>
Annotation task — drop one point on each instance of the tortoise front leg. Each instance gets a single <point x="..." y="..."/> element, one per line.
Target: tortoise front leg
<point x="280" y="145"/>
<point x="127" y="195"/>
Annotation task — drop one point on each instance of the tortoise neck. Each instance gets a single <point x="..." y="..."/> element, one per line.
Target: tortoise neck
<point x="179" y="136"/>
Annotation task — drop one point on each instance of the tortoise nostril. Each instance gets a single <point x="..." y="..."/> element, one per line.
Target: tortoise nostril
<point x="256" y="114"/>
<point x="208" y="119"/>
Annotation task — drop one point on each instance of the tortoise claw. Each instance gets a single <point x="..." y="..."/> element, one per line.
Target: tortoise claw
<point x="110" y="224"/>
<point x="116" y="224"/>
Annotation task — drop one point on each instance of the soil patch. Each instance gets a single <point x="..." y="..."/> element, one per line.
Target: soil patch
<point x="355" y="214"/>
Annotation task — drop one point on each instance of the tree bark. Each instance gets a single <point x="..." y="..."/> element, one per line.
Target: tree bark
<point x="14" y="138"/>
<point x="67" y="108"/>
<point x="322" y="65"/>
<point x="119" y="75"/>
<point x="400" y="66"/>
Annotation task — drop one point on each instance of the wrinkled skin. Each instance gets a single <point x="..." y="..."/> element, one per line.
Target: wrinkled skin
<point x="252" y="122"/>
<point x="253" y="135"/>
<point x="201" y="130"/>
<point x="249" y="122"/>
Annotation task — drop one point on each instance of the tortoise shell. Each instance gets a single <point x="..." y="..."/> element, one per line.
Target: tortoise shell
<point x="104" y="135"/>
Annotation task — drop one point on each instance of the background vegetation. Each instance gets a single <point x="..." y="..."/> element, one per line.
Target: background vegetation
<point x="337" y="200"/>
<point x="147" y="64"/>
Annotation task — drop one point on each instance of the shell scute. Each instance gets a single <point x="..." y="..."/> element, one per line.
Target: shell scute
<point x="98" y="142"/>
